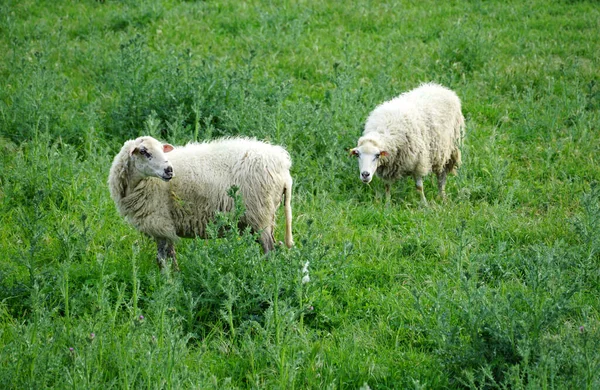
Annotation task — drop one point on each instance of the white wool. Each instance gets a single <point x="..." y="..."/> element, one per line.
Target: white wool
<point x="202" y="175"/>
<point x="416" y="133"/>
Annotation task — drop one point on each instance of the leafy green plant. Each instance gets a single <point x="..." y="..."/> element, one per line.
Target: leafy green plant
<point x="497" y="287"/>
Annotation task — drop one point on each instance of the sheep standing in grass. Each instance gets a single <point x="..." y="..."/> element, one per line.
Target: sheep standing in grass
<point x="413" y="134"/>
<point x="168" y="192"/>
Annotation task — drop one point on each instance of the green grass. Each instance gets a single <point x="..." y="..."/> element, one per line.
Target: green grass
<point x="497" y="288"/>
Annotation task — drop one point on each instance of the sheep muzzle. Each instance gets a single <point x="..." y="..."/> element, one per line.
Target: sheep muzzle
<point x="167" y="174"/>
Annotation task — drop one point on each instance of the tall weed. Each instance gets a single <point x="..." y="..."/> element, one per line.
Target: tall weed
<point x="494" y="322"/>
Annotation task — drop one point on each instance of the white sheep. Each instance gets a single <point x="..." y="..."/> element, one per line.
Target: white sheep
<point x="413" y="134"/>
<point x="168" y="192"/>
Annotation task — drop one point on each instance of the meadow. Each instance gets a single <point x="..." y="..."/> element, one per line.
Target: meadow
<point x="496" y="288"/>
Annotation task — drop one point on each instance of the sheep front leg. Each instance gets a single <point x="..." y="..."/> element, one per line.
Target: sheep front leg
<point x="419" y="185"/>
<point x="441" y="181"/>
<point x="166" y="249"/>
<point x="267" y="240"/>
<point x="388" y="195"/>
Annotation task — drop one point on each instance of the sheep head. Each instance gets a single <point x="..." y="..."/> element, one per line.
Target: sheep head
<point x="147" y="156"/>
<point x="370" y="157"/>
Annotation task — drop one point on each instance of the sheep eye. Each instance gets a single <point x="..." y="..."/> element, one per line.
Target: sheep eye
<point x="378" y="155"/>
<point x="144" y="153"/>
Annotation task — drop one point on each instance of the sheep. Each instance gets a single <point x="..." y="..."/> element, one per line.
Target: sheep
<point x="413" y="134"/>
<point x="170" y="192"/>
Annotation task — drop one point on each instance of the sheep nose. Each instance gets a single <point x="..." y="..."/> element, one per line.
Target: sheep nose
<point x="169" y="172"/>
<point x="365" y="174"/>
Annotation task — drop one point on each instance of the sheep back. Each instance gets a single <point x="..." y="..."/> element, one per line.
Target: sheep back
<point x="204" y="172"/>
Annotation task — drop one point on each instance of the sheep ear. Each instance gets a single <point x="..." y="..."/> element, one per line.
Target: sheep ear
<point x="353" y="152"/>
<point x="133" y="150"/>
<point x="167" y="148"/>
<point x="383" y="153"/>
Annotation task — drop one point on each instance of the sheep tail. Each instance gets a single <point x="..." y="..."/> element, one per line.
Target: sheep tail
<point x="289" y="240"/>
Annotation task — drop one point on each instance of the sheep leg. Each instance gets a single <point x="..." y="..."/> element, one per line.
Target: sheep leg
<point x="173" y="256"/>
<point x="419" y="185"/>
<point x="441" y="181"/>
<point x="267" y="240"/>
<point x="166" y="249"/>
<point x="388" y="195"/>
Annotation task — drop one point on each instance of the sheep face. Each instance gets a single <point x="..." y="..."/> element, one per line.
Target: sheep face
<point x="369" y="159"/>
<point x="149" y="159"/>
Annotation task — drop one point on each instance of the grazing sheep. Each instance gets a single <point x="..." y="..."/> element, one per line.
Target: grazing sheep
<point x="168" y="192"/>
<point x="413" y="134"/>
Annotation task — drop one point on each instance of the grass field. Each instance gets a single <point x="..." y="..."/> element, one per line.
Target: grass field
<point x="499" y="287"/>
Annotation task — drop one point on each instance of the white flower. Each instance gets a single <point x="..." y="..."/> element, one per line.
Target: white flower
<point x="305" y="277"/>
<point x="305" y="268"/>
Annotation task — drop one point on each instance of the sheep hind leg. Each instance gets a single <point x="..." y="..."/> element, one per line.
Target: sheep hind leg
<point x="441" y="182"/>
<point x="419" y="185"/>
<point x="166" y="249"/>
